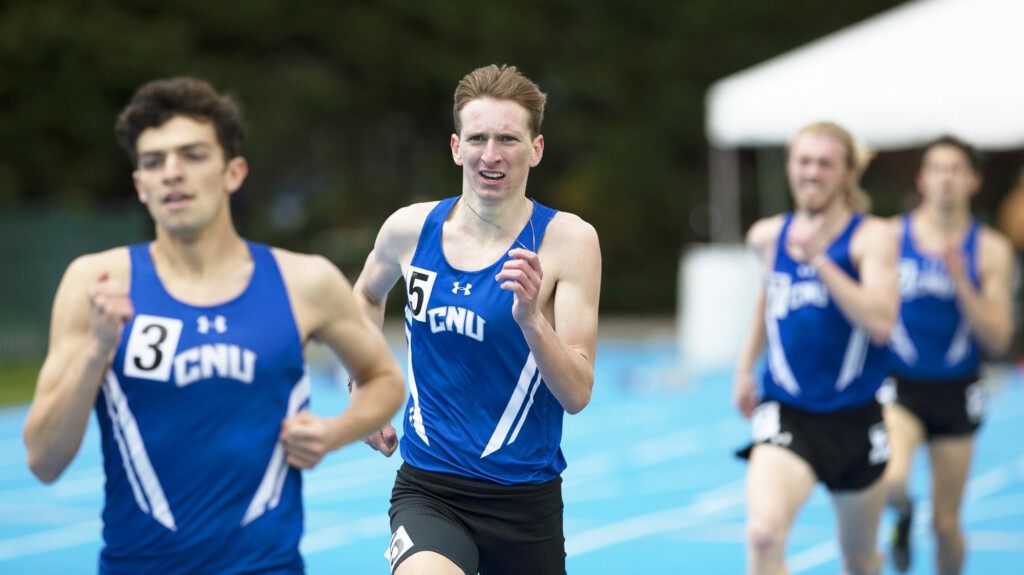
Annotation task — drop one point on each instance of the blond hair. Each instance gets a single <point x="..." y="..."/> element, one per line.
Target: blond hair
<point x="500" y="83"/>
<point x="857" y="158"/>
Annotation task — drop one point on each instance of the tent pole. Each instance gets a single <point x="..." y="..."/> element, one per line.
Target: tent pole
<point x="772" y="193"/>
<point x="724" y="184"/>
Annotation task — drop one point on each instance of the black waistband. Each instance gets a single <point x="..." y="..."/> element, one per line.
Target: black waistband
<point x="472" y="484"/>
<point x="966" y="380"/>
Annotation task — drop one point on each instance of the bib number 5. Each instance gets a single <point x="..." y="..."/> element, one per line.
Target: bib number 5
<point x="419" y="283"/>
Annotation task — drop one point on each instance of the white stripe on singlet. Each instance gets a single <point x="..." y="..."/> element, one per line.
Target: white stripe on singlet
<point x="960" y="346"/>
<point x="519" y="395"/>
<point x="137" y="466"/>
<point x="268" y="494"/>
<point x="853" y="360"/>
<point x="901" y="344"/>
<point x="778" y="365"/>
<point x="417" y="415"/>
<point x="533" y="391"/>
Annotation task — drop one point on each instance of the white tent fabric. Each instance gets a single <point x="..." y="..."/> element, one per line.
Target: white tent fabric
<point x="896" y="80"/>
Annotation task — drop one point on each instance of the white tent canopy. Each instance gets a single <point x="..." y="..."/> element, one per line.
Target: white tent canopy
<point x="896" y="80"/>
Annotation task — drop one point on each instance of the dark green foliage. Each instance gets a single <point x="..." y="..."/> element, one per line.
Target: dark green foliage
<point x="349" y="106"/>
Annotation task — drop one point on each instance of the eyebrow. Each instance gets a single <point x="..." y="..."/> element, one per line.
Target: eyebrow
<point x="182" y="148"/>
<point x="496" y="133"/>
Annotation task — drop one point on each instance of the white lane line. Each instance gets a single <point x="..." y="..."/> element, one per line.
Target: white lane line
<point x="51" y="540"/>
<point x="645" y="453"/>
<point x="374" y="461"/>
<point x="320" y="486"/>
<point x="988" y="483"/>
<point x="978" y="487"/>
<point x="727" y="490"/>
<point x="698" y="513"/>
<point x="995" y="508"/>
<point x="45" y="515"/>
<point x="811" y="558"/>
<point x="1000" y="541"/>
<point x="82" y="481"/>
<point x="666" y="448"/>
<point x="335" y="536"/>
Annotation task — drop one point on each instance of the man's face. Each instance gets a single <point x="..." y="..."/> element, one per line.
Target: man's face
<point x="817" y="171"/>
<point x="495" y="148"/>
<point x="947" y="180"/>
<point x="182" y="176"/>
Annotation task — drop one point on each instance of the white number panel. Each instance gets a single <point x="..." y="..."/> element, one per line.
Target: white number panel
<point x="419" y="283"/>
<point x="151" y="347"/>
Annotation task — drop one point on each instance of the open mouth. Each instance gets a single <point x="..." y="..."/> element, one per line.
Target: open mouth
<point x="176" y="198"/>
<point x="492" y="176"/>
<point x="811" y="188"/>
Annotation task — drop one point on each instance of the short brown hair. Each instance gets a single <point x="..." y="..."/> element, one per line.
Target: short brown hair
<point x="969" y="151"/>
<point x="160" y="100"/>
<point x="504" y="83"/>
<point x="857" y="159"/>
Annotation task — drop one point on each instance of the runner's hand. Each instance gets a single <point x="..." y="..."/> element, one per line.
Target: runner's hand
<point x="110" y="308"/>
<point x="744" y="393"/>
<point x="304" y="436"/>
<point x="522" y="275"/>
<point x="806" y="237"/>
<point x="384" y="440"/>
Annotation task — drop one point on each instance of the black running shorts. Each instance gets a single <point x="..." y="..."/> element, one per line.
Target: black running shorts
<point x="945" y="408"/>
<point x="480" y="526"/>
<point x="847" y="449"/>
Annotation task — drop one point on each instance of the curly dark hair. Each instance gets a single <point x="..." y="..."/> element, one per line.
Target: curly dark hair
<point x="160" y="100"/>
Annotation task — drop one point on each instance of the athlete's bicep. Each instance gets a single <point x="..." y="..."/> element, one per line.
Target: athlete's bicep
<point x="876" y="254"/>
<point x="762" y="238"/>
<point x="379" y="275"/>
<point x="69" y="319"/>
<point x="996" y="273"/>
<point x="578" y="292"/>
<point x="342" y="327"/>
<point x="395" y="243"/>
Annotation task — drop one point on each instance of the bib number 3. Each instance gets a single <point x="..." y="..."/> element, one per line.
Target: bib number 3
<point x="151" y="347"/>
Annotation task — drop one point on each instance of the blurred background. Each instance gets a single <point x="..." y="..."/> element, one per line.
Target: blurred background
<point x="349" y="115"/>
<point x="349" y="118"/>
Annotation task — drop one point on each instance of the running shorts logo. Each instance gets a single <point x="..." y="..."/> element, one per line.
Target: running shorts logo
<point x="879" y="438"/>
<point x="886" y="394"/>
<point x="400" y="545"/>
<point x="974" y="398"/>
<point x="765" y="423"/>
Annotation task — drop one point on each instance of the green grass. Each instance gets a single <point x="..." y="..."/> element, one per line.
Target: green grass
<point x="18" y="381"/>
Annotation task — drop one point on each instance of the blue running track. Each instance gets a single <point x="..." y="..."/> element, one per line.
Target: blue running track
<point x="652" y="487"/>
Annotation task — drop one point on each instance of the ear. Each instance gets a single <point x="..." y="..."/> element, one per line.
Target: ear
<point x="538" y="151"/>
<point x="138" y="187"/>
<point x="978" y="181"/>
<point x="456" y="155"/>
<point x="851" y="178"/>
<point x="235" y="172"/>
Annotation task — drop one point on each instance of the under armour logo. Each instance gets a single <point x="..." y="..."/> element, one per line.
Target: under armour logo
<point x="219" y="324"/>
<point x="465" y="290"/>
<point x="805" y="271"/>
